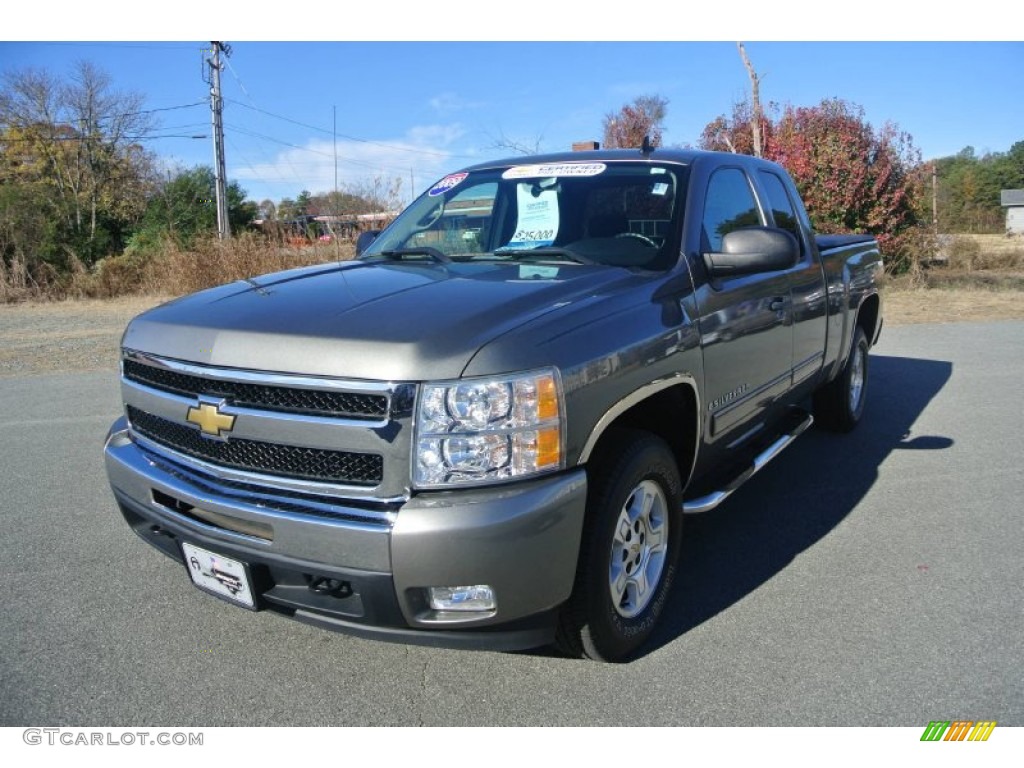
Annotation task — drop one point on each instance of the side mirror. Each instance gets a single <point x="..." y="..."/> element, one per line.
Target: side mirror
<point x="364" y="240"/>
<point x="757" y="249"/>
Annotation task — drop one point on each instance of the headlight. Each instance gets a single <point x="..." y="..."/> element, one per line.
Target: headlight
<point x="478" y="431"/>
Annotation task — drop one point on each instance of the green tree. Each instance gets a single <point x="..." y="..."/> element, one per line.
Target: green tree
<point x="969" y="188"/>
<point x="72" y="148"/>
<point x="183" y="208"/>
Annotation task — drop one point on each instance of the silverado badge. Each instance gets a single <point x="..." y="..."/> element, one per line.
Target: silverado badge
<point x="210" y="420"/>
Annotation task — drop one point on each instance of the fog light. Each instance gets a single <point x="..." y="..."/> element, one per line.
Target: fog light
<point x="479" y="597"/>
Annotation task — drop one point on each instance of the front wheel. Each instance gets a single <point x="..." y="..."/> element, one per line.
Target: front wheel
<point x="839" y="405"/>
<point x="631" y="543"/>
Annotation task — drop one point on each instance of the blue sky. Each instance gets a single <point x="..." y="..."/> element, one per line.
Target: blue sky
<point x="415" y="110"/>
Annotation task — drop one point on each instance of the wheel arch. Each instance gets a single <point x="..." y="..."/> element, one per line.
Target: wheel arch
<point x="868" y="317"/>
<point x="668" y="408"/>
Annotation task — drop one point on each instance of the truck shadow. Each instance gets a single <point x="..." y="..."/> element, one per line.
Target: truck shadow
<point x="796" y="500"/>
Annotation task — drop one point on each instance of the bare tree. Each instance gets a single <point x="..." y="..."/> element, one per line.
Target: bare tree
<point x="79" y="139"/>
<point x="755" y="99"/>
<point x="515" y="146"/>
<point x="380" y="193"/>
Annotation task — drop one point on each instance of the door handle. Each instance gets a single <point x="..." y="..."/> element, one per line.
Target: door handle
<point x="777" y="305"/>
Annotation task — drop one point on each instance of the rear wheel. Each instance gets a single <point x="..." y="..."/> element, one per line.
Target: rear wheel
<point x="630" y="547"/>
<point x="839" y="405"/>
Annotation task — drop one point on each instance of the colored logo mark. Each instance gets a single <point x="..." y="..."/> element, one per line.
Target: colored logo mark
<point x="958" y="730"/>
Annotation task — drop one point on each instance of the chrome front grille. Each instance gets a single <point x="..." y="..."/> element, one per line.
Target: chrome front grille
<point x="323" y="436"/>
<point x="266" y="458"/>
<point x="269" y="397"/>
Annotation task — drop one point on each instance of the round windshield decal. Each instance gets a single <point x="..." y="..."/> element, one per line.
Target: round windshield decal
<point x="448" y="182"/>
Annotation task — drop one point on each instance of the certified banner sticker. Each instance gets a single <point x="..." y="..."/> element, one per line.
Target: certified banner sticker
<point x="448" y="182"/>
<point x="549" y="170"/>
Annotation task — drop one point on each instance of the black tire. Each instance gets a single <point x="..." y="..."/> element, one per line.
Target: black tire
<point x="636" y="478"/>
<point x="839" y="405"/>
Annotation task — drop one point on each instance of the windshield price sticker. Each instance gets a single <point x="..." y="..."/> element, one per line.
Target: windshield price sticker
<point x="448" y="182"/>
<point x="554" y="169"/>
<point x="538" y="218"/>
<point x="534" y="235"/>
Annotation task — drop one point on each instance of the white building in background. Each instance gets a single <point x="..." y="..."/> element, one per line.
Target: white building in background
<point x="1013" y="202"/>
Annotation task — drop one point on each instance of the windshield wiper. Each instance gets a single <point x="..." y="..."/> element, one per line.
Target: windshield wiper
<point x="546" y="253"/>
<point x="420" y="250"/>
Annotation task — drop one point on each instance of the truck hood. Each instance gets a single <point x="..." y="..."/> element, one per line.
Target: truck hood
<point x="375" y="321"/>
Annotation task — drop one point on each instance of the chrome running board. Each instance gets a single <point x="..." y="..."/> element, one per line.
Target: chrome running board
<point x="713" y="499"/>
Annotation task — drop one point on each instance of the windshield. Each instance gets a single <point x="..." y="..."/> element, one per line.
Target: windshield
<point x="619" y="214"/>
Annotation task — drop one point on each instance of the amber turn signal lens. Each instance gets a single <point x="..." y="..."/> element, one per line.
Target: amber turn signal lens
<point x="549" y="447"/>
<point x="547" y="399"/>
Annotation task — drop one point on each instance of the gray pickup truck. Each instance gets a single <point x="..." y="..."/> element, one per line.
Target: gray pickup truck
<point x="487" y="430"/>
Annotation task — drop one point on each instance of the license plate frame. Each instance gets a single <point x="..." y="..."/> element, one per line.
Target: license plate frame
<point x="219" y="575"/>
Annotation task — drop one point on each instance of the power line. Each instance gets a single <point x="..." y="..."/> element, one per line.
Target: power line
<point x="327" y="131"/>
<point x="375" y="167"/>
<point x="158" y="109"/>
<point x="270" y="162"/>
<point x="147" y="137"/>
<point x="256" y="175"/>
<point x="144" y="46"/>
<point x="168" y="136"/>
<point x="139" y="112"/>
<point x="349" y="160"/>
<point x="240" y="85"/>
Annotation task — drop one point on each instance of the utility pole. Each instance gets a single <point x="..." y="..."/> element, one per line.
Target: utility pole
<point x="336" y="227"/>
<point x="335" y="136"/>
<point x="217" y="116"/>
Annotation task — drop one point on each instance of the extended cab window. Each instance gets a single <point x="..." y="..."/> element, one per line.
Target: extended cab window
<point x="729" y="205"/>
<point x="781" y="205"/>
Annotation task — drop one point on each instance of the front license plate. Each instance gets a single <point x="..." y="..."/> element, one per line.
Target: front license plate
<point x="220" y="575"/>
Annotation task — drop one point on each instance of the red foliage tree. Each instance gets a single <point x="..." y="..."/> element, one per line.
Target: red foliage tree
<point x="626" y="128"/>
<point x="852" y="177"/>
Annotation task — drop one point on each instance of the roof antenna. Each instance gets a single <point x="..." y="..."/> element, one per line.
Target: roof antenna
<point x="646" y="148"/>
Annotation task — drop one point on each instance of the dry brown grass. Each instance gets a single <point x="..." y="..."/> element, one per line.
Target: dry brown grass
<point x="169" y="271"/>
<point x="969" y="253"/>
<point x="979" y="277"/>
<point x="903" y="306"/>
<point x="215" y="262"/>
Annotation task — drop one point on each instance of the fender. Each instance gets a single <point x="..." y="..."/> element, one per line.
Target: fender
<point x="635" y="398"/>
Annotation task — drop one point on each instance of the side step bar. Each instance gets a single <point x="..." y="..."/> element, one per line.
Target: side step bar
<point x="712" y="500"/>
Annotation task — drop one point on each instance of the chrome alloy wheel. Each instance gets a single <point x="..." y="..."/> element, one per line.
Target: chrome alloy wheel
<point x="856" y="378"/>
<point x="639" y="545"/>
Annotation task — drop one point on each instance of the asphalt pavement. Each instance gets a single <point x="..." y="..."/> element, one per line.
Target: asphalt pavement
<point x="868" y="579"/>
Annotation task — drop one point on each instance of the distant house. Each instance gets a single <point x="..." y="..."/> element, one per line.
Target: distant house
<point x="1013" y="202"/>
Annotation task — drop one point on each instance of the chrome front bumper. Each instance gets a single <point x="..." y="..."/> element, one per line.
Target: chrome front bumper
<point x="522" y="539"/>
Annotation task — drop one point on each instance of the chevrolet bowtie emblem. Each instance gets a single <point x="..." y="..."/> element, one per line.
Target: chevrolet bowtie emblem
<point x="210" y="420"/>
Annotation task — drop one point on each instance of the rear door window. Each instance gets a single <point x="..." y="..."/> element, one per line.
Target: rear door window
<point x="781" y="206"/>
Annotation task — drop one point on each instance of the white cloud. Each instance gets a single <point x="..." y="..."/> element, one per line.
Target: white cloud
<point x="449" y="101"/>
<point x="421" y="156"/>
